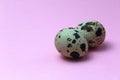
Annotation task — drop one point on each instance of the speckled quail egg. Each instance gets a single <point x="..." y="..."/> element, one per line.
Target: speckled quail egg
<point x="93" y="31"/>
<point x="70" y="43"/>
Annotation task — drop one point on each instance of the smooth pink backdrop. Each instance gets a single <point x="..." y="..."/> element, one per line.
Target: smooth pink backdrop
<point x="27" y="31"/>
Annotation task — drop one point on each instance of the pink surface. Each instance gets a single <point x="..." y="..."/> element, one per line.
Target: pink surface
<point x="27" y="31"/>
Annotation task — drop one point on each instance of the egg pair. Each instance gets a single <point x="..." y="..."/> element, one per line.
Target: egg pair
<point x="74" y="42"/>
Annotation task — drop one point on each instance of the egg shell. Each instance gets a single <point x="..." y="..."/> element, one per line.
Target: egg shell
<point x="70" y="43"/>
<point x="93" y="31"/>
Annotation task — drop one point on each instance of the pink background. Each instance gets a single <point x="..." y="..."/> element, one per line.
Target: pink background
<point x="27" y="31"/>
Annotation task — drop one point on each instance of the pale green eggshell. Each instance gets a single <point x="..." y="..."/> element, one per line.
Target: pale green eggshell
<point x="68" y="41"/>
